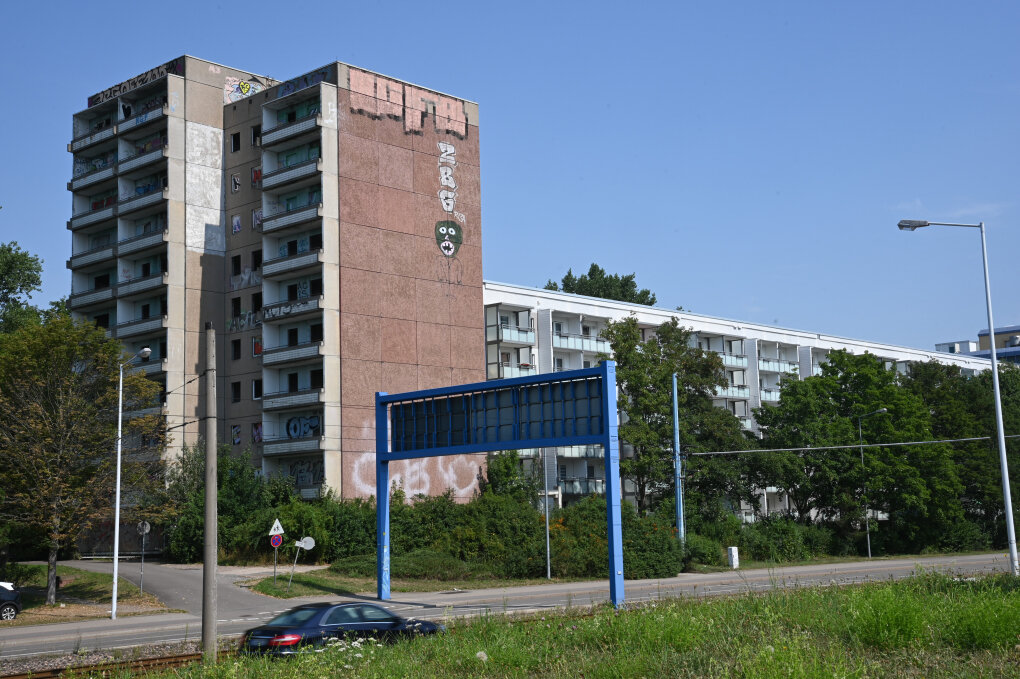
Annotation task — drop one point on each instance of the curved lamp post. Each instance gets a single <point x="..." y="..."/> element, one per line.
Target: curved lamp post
<point x="144" y="353"/>
<point x="912" y="225"/>
<point x="864" y="486"/>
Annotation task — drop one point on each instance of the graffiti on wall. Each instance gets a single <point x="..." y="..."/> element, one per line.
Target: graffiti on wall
<point x="246" y="321"/>
<point x="459" y="472"/>
<point x="256" y="346"/>
<point x="256" y="177"/>
<point x="247" y="278"/>
<point x="303" y="81"/>
<point x="303" y="427"/>
<point x="235" y="434"/>
<point x="256" y="432"/>
<point x="449" y="234"/>
<point x="235" y="182"/>
<point x="379" y="97"/>
<point x="256" y="219"/>
<point x="307" y="472"/>
<point x="235" y="224"/>
<point x="175" y="67"/>
<point x="235" y="89"/>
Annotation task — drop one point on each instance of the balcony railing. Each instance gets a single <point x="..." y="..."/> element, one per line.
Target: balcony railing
<point x="92" y="177"/>
<point x="90" y="138"/>
<point x="590" y="343"/>
<point x="733" y="360"/>
<point x="516" y="370"/>
<point x="141" y="326"/>
<point x="143" y="284"/>
<point x="92" y="216"/>
<point x="142" y="118"/>
<point x="284" y="446"/>
<point x="581" y="486"/>
<point x="770" y="395"/>
<point x="746" y="422"/>
<point x="93" y="296"/>
<point x="92" y="256"/>
<point x="144" y="200"/>
<point x="734" y="391"/>
<point x="298" y="215"/>
<point x="777" y="365"/>
<point x="141" y="242"/>
<point x="816" y="370"/>
<point x="516" y="334"/>
<point x="151" y="366"/>
<point x="141" y="159"/>
<point x="581" y="452"/>
<point x="290" y="263"/>
<point x="292" y="399"/>
<point x="293" y="173"/>
<point x="275" y="135"/>
<point x="296" y="352"/>
<point x="290" y="308"/>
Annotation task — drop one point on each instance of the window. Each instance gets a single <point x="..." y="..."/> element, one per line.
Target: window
<point x="586" y="330"/>
<point x="292" y="382"/>
<point x="101" y="281"/>
<point x="235" y="349"/>
<point x="145" y="311"/>
<point x="256" y="389"/>
<point x="317" y="378"/>
<point x="292" y="337"/>
<point x="235" y="307"/>
<point x="558" y="328"/>
<point x="315" y="242"/>
<point x="162" y="348"/>
<point x="292" y="292"/>
<point x="316" y="332"/>
<point x="315" y="287"/>
<point x="591" y="471"/>
<point x="563" y="472"/>
<point x="559" y="364"/>
<point x="504" y="357"/>
<point x="235" y="265"/>
<point x="235" y="142"/>
<point x="256" y="260"/>
<point x="102" y="321"/>
<point x="585" y="364"/>
<point x="146" y="269"/>
<point x="162" y="305"/>
<point x="235" y="392"/>
<point x="256" y="302"/>
<point x="504" y="321"/>
<point x="256" y="135"/>
<point x="291" y="248"/>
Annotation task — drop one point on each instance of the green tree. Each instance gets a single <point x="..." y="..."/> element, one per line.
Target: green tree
<point x="20" y="276"/>
<point x="505" y="475"/>
<point x="644" y="374"/>
<point x="597" y="283"/>
<point x="58" y="427"/>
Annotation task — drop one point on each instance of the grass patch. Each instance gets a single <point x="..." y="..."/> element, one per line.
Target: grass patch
<point x="83" y="595"/>
<point x="926" y="626"/>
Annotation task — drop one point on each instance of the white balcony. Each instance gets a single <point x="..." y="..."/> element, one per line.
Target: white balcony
<point x="291" y="263"/>
<point x="578" y="486"/>
<point x="299" y="215"/>
<point x="746" y="423"/>
<point x="734" y="360"/>
<point x="289" y="354"/>
<point x="770" y="395"/>
<point x="91" y="217"/>
<point x="87" y="140"/>
<point x="291" y="174"/>
<point x="139" y="243"/>
<point x="138" y="202"/>
<point x="775" y="365"/>
<point x="589" y="343"/>
<point x="293" y="399"/>
<point x="141" y="326"/>
<point x="583" y="452"/>
<point x="816" y="370"/>
<point x="286" y="446"/>
<point x="507" y="370"/>
<point x="90" y="257"/>
<point x="734" y="391"/>
<point x="290" y="308"/>
<point x="282" y="133"/>
<point x="89" y="297"/>
<point x="150" y="367"/>
<point x="143" y="118"/>
<point x="515" y="334"/>
<point x="141" y="160"/>
<point x="93" y="177"/>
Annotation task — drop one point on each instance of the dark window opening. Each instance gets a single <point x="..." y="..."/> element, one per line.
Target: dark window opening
<point x="292" y="383"/>
<point x="256" y="135"/>
<point x="162" y="306"/>
<point x="315" y="287"/>
<point x="291" y="248"/>
<point x="235" y="307"/>
<point x="145" y="311"/>
<point x="235" y="392"/>
<point x="146" y="269"/>
<point x="256" y="302"/>
<point x="292" y="337"/>
<point x="235" y="142"/>
<point x="256" y="260"/>
<point x="317" y="379"/>
<point x="315" y="241"/>
<point x="103" y="321"/>
<point x="316" y="330"/>
<point x="162" y="348"/>
<point x="102" y="281"/>
<point x="235" y="349"/>
<point x="292" y="292"/>
<point x="235" y="265"/>
<point x="256" y="389"/>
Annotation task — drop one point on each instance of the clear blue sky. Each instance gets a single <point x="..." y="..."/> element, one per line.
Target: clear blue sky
<point x="745" y="159"/>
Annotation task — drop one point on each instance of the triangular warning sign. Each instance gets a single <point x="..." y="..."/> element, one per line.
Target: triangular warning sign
<point x="277" y="529"/>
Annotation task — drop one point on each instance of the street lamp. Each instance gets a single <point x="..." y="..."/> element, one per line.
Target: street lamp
<point x="864" y="483"/>
<point x="911" y="225"/>
<point x="143" y="353"/>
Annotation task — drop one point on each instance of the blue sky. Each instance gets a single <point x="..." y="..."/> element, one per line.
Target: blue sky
<point x="745" y="159"/>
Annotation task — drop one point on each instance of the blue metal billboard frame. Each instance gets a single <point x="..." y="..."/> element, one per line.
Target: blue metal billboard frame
<point x="569" y="408"/>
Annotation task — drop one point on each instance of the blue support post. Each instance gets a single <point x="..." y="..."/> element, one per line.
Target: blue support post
<point x="678" y="469"/>
<point x="382" y="500"/>
<point x="612" y="451"/>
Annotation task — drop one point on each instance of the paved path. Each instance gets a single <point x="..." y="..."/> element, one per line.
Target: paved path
<point x="239" y="609"/>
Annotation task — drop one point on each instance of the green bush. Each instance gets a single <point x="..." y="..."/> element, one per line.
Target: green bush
<point x="702" y="550"/>
<point x="964" y="536"/>
<point x="775" y="538"/>
<point x="421" y="564"/>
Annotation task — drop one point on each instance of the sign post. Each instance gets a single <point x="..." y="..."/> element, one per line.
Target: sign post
<point x="305" y="543"/>
<point x="275" y="539"/>
<point x="143" y="530"/>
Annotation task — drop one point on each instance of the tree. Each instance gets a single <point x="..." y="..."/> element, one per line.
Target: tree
<point x="644" y="374"/>
<point x="597" y="283"/>
<point x="58" y="427"/>
<point x="20" y="276"/>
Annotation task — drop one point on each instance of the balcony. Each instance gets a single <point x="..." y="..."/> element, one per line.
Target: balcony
<point x="581" y="452"/>
<point x="816" y="370"/>
<point x="292" y="399"/>
<point x="150" y="367"/>
<point x="291" y="264"/>
<point x="144" y="200"/>
<point x="589" y="343"/>
<point x="770" y="395"/>
<point x="507" y="370"/>
<point x="285" y="175"/>
<point x="90" y="297"/>
<point x="733" y="391"/>
<point x="141" y="326"/>
<point x="143" y="242"/>
<point x="297" y="216"/>
<point x="92" y="216"/>
<point x="86" y="140"/>
<point x="733" y="360"/>
<point x="776" y="365"/>
<point x="141" y="160"/>
<point x="746" y="423"/>
<point x="288" y="354"/>
<point x="579" y="486"/>
<point x="287" y="131"/>
<point x="286" y="446"/>
<point x="93" y="256"/>
<point x="137" y="286"/>
<point x="291" y="308"/>
<point x="94" y="177"/>
<point x="143" y="118"/>
<point x="515" y="334"/>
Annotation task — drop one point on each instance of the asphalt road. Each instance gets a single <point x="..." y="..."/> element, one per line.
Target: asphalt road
<point x="180" y="587"/>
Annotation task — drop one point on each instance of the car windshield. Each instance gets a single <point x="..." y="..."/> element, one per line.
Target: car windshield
<point x="294" y="617"/>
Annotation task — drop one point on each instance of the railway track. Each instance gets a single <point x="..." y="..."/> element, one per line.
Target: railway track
<point x="115" y="668"/>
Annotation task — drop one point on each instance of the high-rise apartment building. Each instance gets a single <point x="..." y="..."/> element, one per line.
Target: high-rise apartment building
<point x="328" y="226"/>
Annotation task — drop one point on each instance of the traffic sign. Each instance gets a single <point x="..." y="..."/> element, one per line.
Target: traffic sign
<point x="143" y="527"/>
<point x="305" y="543"/>
<point x="277" y="529"/>
<point x="276" y="541"/>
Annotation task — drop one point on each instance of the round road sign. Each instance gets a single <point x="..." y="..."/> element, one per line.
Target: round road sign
<point x="276" y="541"/>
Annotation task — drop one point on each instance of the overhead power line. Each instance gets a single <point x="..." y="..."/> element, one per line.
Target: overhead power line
<point x="855" y="446"/>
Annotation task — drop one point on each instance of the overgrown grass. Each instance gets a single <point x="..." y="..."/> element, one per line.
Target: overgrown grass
<point x="927" y="626"/>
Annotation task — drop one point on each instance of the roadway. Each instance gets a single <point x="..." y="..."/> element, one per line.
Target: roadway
<point x="180" y="587"/>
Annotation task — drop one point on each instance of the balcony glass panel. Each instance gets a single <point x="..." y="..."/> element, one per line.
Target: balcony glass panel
<point x="516" y="334"/>
<point x="770" y="395"/>
<point x="736" y="391"/>
<point x="581" y="486"/>
<point x="507" y="370"/>
<point x="590" y="343"/>
<point x="777" y="365"/>
<point x="734" y="360"/>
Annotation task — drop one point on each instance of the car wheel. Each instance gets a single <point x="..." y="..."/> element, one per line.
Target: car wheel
<point x="8" y="612"/>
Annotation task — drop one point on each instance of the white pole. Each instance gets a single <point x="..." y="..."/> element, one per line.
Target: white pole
<point x="116" y="496"/>
<point x="545" y="476"/>
<point x="1004" y="467"/>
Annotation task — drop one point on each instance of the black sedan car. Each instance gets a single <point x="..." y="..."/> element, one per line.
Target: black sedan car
<point x="313" y="625"/>
<point x="10" y="601"/>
